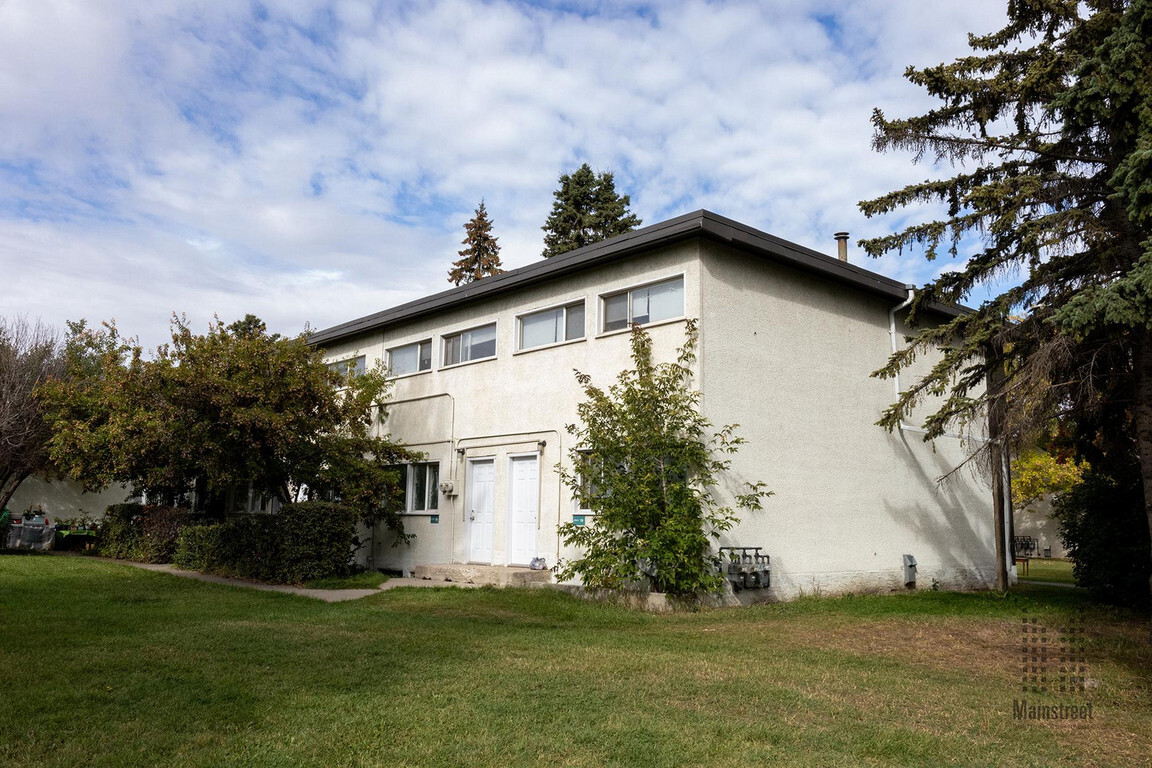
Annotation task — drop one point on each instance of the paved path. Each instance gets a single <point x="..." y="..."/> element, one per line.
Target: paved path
<point x="327" y="595"/>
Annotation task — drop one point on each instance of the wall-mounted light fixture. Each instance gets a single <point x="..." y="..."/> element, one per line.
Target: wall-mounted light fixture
<point x="542" y="443"/>
<point x="460" y="451"/>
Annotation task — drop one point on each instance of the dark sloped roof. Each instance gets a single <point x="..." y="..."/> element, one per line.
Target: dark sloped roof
<point x="699" y="224"/>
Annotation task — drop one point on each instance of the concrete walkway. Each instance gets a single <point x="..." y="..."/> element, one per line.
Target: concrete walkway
<point x="327" y="595"/>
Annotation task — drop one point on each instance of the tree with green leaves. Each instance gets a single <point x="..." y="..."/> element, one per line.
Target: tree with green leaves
<point x="1050" y="123"/>
<point x="30" y="355"/>
<point x="481" y="255"/>
<point x="646" y="464"/>
<point x="234" y="407"/>
<point x="587" y="209"/>
<point x="1037" y="473"/>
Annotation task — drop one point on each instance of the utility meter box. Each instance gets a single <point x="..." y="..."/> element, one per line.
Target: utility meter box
<point x="447" y="489"/>
<point x="909" y="571"/>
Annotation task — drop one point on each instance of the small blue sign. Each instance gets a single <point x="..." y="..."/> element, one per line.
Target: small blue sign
<point x="435" y="519"/>
<point x="577" y="519"/>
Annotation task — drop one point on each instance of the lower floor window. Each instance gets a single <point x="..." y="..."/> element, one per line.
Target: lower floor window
<point x="420" y="486"/>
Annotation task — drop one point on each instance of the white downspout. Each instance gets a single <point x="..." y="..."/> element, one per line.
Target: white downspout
<point x="892" y="336"/>
<point x="896" y="374"/>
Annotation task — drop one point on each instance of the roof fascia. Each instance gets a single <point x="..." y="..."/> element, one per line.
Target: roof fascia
<point x="700" y="223"/>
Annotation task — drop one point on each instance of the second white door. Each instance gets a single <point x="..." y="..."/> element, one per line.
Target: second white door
<point x="523" y="509"/>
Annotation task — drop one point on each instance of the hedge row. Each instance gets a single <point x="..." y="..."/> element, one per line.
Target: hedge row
<point x="301" y="542"/>
<point x="146" y="534"/>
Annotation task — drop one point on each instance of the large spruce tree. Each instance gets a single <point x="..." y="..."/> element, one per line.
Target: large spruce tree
<point x="587" y="210"/>
<point x="481" y="254"/>
<point x="1049" y="125"/>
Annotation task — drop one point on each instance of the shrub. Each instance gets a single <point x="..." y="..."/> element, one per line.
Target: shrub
<point x="146" y="534"/>
<point x="201" y="548"/>
<point x="120" y="531"/>
<point x="647" y="463"/>
<point x="1103" y="525"/>
<point x="310" y="540"/>
<point x="316" y="541"/>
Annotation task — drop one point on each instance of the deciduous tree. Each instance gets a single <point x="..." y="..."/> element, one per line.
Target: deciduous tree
<point x="481" y="255"/>
<point x="587" y="209"/>
<point x="646" y="464"/>
<point x="29" y="356"/>
<point x="234" y="407"/>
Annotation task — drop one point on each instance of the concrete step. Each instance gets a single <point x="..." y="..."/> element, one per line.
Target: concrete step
<point x="496" y="575"/>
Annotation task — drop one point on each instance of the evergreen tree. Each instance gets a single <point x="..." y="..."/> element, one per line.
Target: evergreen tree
<point x="481" y="255"/>
<point x="1050" y="120"/>
<point x="587" y="210"/>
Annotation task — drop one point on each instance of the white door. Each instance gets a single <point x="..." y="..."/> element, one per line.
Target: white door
<point x="480" y="514"/>
<point x="524" y="502"/>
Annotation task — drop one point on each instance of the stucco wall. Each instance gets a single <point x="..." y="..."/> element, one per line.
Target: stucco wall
<point x="787" y="356"/>
<point x="62" y="499"/>
<point x="1036" y="521"/>
<point x="784" y="353"/>
<point x="511" y="404"/>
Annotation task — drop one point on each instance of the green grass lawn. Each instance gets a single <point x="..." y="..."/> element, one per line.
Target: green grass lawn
<point x="365" y="580"/>
<point x="104" y="664"/>
<point x="1043" y="569"/>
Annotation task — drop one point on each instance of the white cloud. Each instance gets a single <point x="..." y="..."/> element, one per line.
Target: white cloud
<point x="313" y="163"/>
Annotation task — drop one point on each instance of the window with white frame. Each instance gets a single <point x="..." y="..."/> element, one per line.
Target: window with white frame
<point x="354" y="366"/>
<point x="589" y="489"/>
<point x="552" y="326"/>
<point x="646" y="304"/>
<point x="474" y="344"/>
<point x="419" y="487"/>
<point x="410" y="358"/>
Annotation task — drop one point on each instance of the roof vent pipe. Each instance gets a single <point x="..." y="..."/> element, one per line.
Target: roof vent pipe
<point x="842" y="245"/>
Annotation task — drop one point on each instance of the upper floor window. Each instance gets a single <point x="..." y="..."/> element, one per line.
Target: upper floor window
<point x="646" y="304"/>
<point x="474" y="344"/>
<point x="410" y="358"/>
<point x="353" y="366"/>
<point x="552" y="326"/>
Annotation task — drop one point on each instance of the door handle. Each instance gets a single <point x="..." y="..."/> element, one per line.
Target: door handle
<point x="472" y="516"/>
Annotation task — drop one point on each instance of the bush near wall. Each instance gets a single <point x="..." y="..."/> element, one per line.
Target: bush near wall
<point x="302" y="542"/>
<point x="143" y="533"/>
<point x="1105" y="531"/>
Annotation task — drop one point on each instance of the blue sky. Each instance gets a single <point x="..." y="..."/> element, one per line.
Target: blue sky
<point x="313" y="162"/>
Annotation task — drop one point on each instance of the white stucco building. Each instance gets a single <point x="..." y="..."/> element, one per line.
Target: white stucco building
<point x="63" y="499"/>
<point x="788" y="339"/>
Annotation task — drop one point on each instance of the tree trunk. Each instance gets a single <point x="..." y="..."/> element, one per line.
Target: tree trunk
<point x="998" y="516"/>
<point x="1142" y="365"/>
<point x="996" y="453"/>
<point x="9" y="486"/>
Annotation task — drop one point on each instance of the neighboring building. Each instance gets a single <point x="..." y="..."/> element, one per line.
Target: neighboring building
<point x="64" y="499"/>
<point x="788" y="340"/>
<point x="1035" y="520"/>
